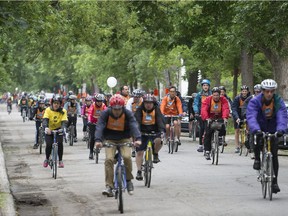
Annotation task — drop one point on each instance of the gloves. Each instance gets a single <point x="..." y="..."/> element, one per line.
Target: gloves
<point x="238" y="121"/>
<point x="259" y="133"/>
<point x="280" y="133"/>
<point x="47" y="131"/>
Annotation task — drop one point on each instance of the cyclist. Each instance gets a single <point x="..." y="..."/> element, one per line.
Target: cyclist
<point x="117" y="124"/>
<point x="23" y="103"/>
<point x="107" y="98"/>
<point x="38" y="113"/>
<point x="84" y="113"/>
<point x="237" y="106"/>
<point x="249" y="144"/>
<point x="133" y="103"/>
<point x="54" y="118"/>
<point x="201" y="96"/>
<point x="267" y="112"/>
<point x="171" y="105"/>
<point x="93" y="115"/>
<point x="149" y="118"/>
<point x="124" y="92"/>
<point x="73" y="110"/>
<point x="9" y="103"/>
<point x="214" y="107"/>
<point x="191" y="112"/>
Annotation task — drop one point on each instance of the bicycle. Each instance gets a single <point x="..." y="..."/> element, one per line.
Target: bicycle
<point x="9" y="108"/>
<point x="172" y="145"/>
<point x="54" y="154"/>
<point x="216" y="126"/>
<point x="120" y="183"/>
<point x="41" y="138"/>
<point x="266" y="172"/>
<point x="148" y="162"/>
<point x="71" y="130"/>
<point x="243" y="136"/>
<point x="23" y="114"/>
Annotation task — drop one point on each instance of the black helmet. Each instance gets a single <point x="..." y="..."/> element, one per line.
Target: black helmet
<point x="222" y="88"/>
<point x="216" y="89"/>
<point x="41" y="102"/>
<point x="244" y="87"/>
<point x="57" y="98"/>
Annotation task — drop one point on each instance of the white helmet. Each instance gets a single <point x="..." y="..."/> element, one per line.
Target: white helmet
<point x="268" y="84"/>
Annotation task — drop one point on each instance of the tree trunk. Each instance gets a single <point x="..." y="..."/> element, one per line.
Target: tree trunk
<point x="280" y="68"/>
<point x="246" y="68"/>
<point x="216" y="78"/>
<point x="192" y="82"/>
<point x="235" y="81"/>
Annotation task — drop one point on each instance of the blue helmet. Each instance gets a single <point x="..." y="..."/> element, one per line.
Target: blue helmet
<point x="205" y="81"/>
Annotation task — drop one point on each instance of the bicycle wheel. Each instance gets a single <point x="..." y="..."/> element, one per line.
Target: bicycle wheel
<point x="194" y="131"/>
<point x="216" y="147"/>
<point x="119" y="189"/>
<point x="149" y="168"/>
<point x="54" y="159"/>
<point x="270" y="174"/>
<point x="241" y="143"/>
<point x="263" y="175"/>
<point x="146" y="171"/>
<point x="172" y="140"/>
<point x="71" y="137"/>
<point x="97" y="155"/>
<point x="40" y="140"/>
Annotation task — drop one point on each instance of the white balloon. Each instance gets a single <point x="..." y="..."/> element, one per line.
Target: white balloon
<point x="111" y="82"/>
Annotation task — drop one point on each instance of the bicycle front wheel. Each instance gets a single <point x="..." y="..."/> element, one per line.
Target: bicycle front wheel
<point x="263" y="175"/>
<point x="270" y="174"/>
<point x="120" y="190"/>
<point x="149" y="168"/>
<point x="194" y="126"/>
<point x="97" y="155"/>
<point x="54" y="158"/>
<point x="216" y="147"/>
<point x="172" y="140"/>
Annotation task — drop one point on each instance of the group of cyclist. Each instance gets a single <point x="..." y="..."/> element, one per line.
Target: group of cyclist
<point x="124" y="118"/>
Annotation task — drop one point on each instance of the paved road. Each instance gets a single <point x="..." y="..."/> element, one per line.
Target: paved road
<point x="182" y="184"/>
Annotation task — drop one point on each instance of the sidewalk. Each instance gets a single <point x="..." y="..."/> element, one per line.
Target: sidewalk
<point x="7" y="207"/>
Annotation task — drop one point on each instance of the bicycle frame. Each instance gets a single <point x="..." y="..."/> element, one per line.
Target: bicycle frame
<point x="71" y="128"/>
<point x="173" y="146"/>
<point x="54" y="153"/>
<point x="215" y="142"/>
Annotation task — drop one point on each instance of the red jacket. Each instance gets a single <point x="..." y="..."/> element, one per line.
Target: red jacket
<point x="207" y="109"/>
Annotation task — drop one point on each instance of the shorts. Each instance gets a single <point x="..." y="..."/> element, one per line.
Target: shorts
<point x="145" y="140"/>
<point x="168" y="119"/>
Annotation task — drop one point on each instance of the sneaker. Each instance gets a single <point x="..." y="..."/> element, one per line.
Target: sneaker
<point x="91" y="156"/>
<point x="61" y="164"/>
<point x="139" y="176"/>
<point x="200" y="148"/>
<point x="207" y="155"/>
<point x="237" y="150"/>
<point x="45" y="163"/>
<point x="75" y="139"/>
<point x="275" y="188"/>
<point x="256" y="165"/>
<point x="133" y="153"/>
<point x="108" y="191"/>
<point x="156" y="158"/>
<point x="130" y="187"/>
<point x="35" y="146"/>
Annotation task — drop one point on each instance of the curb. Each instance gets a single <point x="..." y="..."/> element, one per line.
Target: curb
<point x="7" y="206"/>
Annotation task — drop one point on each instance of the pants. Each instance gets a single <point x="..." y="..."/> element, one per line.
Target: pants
<point x="201" y="130"/>
<point x="22" y="108"/>
<point x="92" y="129"/>
<point x="109" y="162"/>
<point x="208" y="135"/>
<point x="85" y="124"/>
<point x="38" y="124"/>
<point x="49" y="141"/>
<point x="74" y="120"/>
<point x="274" y="150"/>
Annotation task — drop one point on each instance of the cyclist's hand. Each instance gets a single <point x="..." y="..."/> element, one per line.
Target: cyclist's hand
<point x="238" y="121"/>
<point x="208" y="120"/>
<point x="184" y="114"/>
<point x="259" y="133"/>
<point x="47" y="131"/>
<point x="98" y="144"/>
<point x="137" y="143"/>
<point x="280" y="133"/>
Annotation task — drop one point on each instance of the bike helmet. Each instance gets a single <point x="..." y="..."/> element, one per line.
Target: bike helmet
<point x="117" y="101"/>
<point x="88" y="98"/>
<point x="70" y="93"/>
<point x="72" y="97"/>
<point x="216" y="89"/>
<point x="137" y="93"/>
<point x="57" y="98"/>
<point x="268" y="84"/>
<point x="99" y="97"/>
<point x="206" y="81"/>
<point x="149" y="98"/>
<point x="257" y="87"/>
<point x="244" y="87"/>
<point x="41" y="102"/>
<point x="222" y="88"/>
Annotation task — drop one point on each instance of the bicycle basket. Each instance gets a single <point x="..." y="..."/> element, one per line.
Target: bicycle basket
<point x="216" y="125"/>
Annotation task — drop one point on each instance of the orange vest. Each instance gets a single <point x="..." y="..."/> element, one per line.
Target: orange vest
<point x="116" y="124"/>
<point x="148" y="118"/>
<point x="215" y="107"/>
<point x="39" y="115"/>
<point x="136" y="105"/>
<point x="268" y="109"/>
<point x="97" y="111"/>
<point x="241" y="103"/>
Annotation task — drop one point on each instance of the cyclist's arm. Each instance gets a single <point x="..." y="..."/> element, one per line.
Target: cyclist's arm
<point x="163" y="105"/>
<point x="204" y="109"/>
<point x="129" y="104"/>
<point x="252" y="113"/>
<point x="159" y="119"/>
<point x="234" y="107"/>
<point x="135" y="132"/>
<point x="196" y="104"/>
<point x="281" y="117"/>
<point x="225" y="108"/>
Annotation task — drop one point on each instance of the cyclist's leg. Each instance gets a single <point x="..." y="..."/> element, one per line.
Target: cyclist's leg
<point x="37" y="124"/>
<point x="139" y="157"/>
<point x="49" y="142"/>
<point x="84" y="128"/>
<point x="274" y="150"/>
<point x="92" y="129"/>
<point x="207" y="137"/>
<point x="126" y="154"/>
<point x="75" y="128"/>
<point x="109" y="165"/>
<point x="257" y="150"/>
<point x="177" y="130"/>
<point x="60" y="146"/>
<point x="236" y="127"/>
<point x="167" y="126"/>
<point x="157" y="147"/>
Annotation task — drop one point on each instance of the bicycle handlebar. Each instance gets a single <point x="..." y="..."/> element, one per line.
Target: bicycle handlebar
<point x="110" y="145"/>
<point x="265" y="135"/>
<point x="172" y="116"/>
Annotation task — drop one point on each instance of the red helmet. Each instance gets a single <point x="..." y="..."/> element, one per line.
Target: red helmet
<point x="117" y="101"/>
